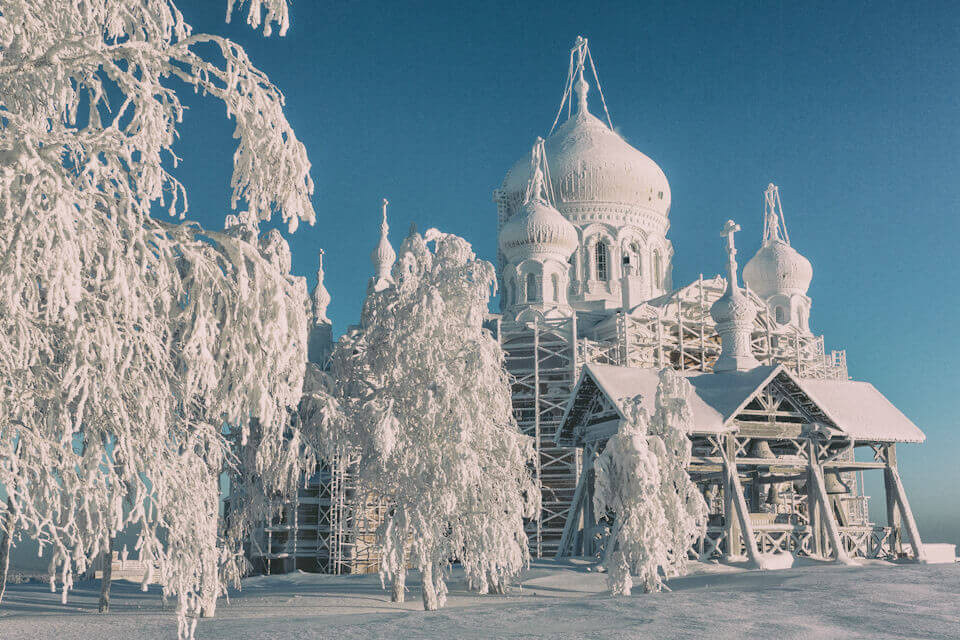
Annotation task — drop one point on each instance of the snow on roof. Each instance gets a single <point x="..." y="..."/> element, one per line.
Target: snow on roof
<point x="716" y="398"/>
<point x="856" y="408"/>
<point x="861" y="411"/>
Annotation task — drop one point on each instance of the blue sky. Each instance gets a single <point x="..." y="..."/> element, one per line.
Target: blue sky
<point x="852" y="110"/>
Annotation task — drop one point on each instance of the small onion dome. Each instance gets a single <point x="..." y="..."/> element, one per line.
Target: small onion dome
<point x="383" y="255"/>
<point x="733" y="307"/>
<point x="538" y="229"/>
<point x="778" y="268"/>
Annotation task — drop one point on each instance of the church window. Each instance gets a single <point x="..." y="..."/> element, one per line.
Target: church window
<point x="657" y="270"/>
<point x="532" y="293"/>
<point x="603" y="267"/>
<point x="515" y="291"/>
<point x="781" y="314"/>
<point x="508" y="294"/>
<point x="555" y="279"/>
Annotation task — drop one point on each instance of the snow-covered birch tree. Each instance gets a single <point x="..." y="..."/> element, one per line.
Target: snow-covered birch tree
<point x="422" y="402"/>
<point x="128" y="342"/>
<point x="642" y="482"/>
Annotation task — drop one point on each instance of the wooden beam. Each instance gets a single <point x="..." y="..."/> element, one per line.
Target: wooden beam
<point x="819" y="494"/>
<point x="576" y="511"/>
<point x="893" y="514"/>
<point x="911" y="524"/>
<point x="851" y="465"/>
<point x="733" y="501"/>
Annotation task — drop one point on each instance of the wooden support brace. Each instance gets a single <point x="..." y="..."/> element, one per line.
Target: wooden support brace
<point x="911" y="525"/>
<point x="739" y="504"/>
<point x="819" y="494"/>
<point x="576" y="511"/>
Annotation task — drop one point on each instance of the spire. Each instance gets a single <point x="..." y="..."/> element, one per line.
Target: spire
<point x="536" y="185"/>
<point x="734" y="314"/>
<point x="774" y="226"/>
<point x="576" y="83"/>
<point x="383" y="256"/>
<point x="580" y="86"/>
<point x="321" y="297"/>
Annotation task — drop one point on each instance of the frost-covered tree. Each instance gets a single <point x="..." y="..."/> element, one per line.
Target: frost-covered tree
<point x="423" y="402"/>
<point x="642" y="482"/>
<point x="128" y="342"/>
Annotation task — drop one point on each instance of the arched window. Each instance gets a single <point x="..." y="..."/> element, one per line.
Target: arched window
<point x="532" y="293"/>
<point x="555" y="279"/>
<point x="515" y="291"/>
<point x="657" y="270"/>
<point x="636" y="265"/>
<point x="508" y="295"/>
<point x="603" y="262"/>
<point x="781" y="314"/>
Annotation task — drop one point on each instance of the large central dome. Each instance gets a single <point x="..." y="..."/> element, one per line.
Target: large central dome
<point x="590" y="163"/>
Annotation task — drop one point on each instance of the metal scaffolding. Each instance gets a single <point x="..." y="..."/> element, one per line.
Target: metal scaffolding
<point x="544" y="355"/>
<point x="328" y="529"/>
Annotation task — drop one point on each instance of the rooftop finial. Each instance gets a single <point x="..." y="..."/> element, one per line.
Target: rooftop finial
<point x="536" y="186"/>
<point x="580" y="86"/>
<point x="321" y="297"/>
<point x="734" y="314"/>
<point x="383" y="256"/>
<point x="576" y="83"/>
<point x="774" y="226"/>
<point x="728" y="230"/>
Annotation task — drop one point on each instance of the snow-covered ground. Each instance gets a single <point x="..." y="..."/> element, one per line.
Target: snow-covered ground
<point x="810" y="600"/>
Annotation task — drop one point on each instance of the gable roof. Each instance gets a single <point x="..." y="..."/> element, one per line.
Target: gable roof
<point x="856" y="408"/>
<point x="716" y="399"/>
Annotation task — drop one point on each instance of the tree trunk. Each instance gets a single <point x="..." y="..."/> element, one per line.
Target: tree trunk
<point x="430" y="601"/>
<point x="399" y="585"/>
<point x="6" y="541"/>
<point x="106" y="577"/>
<point x="208" y="584"/>
<point x="497" y="586"/>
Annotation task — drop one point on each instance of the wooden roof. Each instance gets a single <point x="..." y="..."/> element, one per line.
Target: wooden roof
<point x="854" y="408"/>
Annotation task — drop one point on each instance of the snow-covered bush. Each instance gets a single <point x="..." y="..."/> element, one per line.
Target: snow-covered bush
<point x="127" y="342"/>
<point x="423" y="400"/>
<point x="642" y="481"/>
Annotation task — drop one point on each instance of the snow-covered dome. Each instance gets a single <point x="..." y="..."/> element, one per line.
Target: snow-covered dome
<point x="589" y="162"/>
<point x="778" y="268"/>
<point x="538" y="228"/>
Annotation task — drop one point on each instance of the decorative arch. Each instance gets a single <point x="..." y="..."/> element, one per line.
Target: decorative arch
<point x="533" y="288"/>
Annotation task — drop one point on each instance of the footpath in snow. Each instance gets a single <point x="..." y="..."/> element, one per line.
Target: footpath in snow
<point x="554" y="600"/>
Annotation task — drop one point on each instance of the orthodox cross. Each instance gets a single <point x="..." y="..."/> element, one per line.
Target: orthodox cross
<point x="728" y="230"/>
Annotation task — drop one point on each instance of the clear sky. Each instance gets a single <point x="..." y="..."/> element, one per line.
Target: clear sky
<point x="851" y="108"/>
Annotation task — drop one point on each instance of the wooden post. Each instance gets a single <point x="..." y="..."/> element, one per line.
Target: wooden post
<point x="893" y="478"/>
<point x="729" y="519"/>
<point x="739" y="506"/>
<point x="816" y="491"/>
<point x="575" y="519"/>
<point x="893" y="514"/>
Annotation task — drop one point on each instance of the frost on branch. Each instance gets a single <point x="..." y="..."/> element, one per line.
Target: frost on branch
<point x="642" y="481"/>
<point x="276" y="12"/>
<point x="422" y="400"/>
<point x="127" y="343"/>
